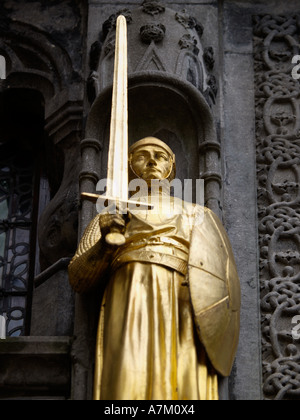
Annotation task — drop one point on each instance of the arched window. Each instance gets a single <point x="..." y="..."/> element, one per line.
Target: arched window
<point x="21" y="143"/>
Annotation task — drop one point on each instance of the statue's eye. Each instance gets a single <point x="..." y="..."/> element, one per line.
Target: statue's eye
<point x="140" y="158"/>
<point x="162" y="157"/>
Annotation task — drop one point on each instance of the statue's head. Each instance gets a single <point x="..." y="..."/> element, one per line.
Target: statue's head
<point x="151" y="158"/>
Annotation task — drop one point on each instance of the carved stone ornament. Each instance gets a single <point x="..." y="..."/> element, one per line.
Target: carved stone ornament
<point x="189" y="42"/>
<point x="153" y="7"/>
<point x="188" y="22"/>
<point x="170" y="43"/>
<point x="153" y="32"/>
<point x="209" y="59"/>
<point x="276" y="40"/>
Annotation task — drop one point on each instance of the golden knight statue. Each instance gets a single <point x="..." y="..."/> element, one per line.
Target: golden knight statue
<point x="169" y="321"/>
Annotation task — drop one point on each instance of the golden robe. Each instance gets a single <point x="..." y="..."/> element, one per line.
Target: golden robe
<point x="148" y="347"/>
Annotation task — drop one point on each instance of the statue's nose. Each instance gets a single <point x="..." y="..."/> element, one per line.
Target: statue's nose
<point x="152" y="162"/>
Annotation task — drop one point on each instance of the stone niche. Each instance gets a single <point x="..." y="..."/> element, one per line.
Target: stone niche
<point x="171" y="91"/>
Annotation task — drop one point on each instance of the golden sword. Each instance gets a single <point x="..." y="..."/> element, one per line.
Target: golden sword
<point x="117" y="171"/>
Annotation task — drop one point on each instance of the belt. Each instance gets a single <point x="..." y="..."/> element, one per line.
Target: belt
<point x="151" y="257"/>
<point x="158" y="241"/>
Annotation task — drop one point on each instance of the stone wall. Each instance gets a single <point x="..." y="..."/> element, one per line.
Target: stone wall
<point x="43" y="44"/>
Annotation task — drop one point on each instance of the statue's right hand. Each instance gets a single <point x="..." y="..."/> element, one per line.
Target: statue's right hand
<point x="109" y="221"/>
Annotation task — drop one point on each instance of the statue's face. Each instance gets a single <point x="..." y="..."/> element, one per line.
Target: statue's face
<point x="151" y="162"/>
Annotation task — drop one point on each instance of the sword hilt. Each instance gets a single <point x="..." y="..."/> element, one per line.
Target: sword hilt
<point x="115" y="237"/>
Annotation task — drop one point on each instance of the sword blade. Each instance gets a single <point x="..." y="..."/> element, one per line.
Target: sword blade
<point x="117" y="172"/>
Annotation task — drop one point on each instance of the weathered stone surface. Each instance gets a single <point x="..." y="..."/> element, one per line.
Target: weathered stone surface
<point x="32" y="367"/>
<point x="53" y="304"/>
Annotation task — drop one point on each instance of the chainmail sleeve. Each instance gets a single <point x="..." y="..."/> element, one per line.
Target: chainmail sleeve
<point x="91" y="261"/>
